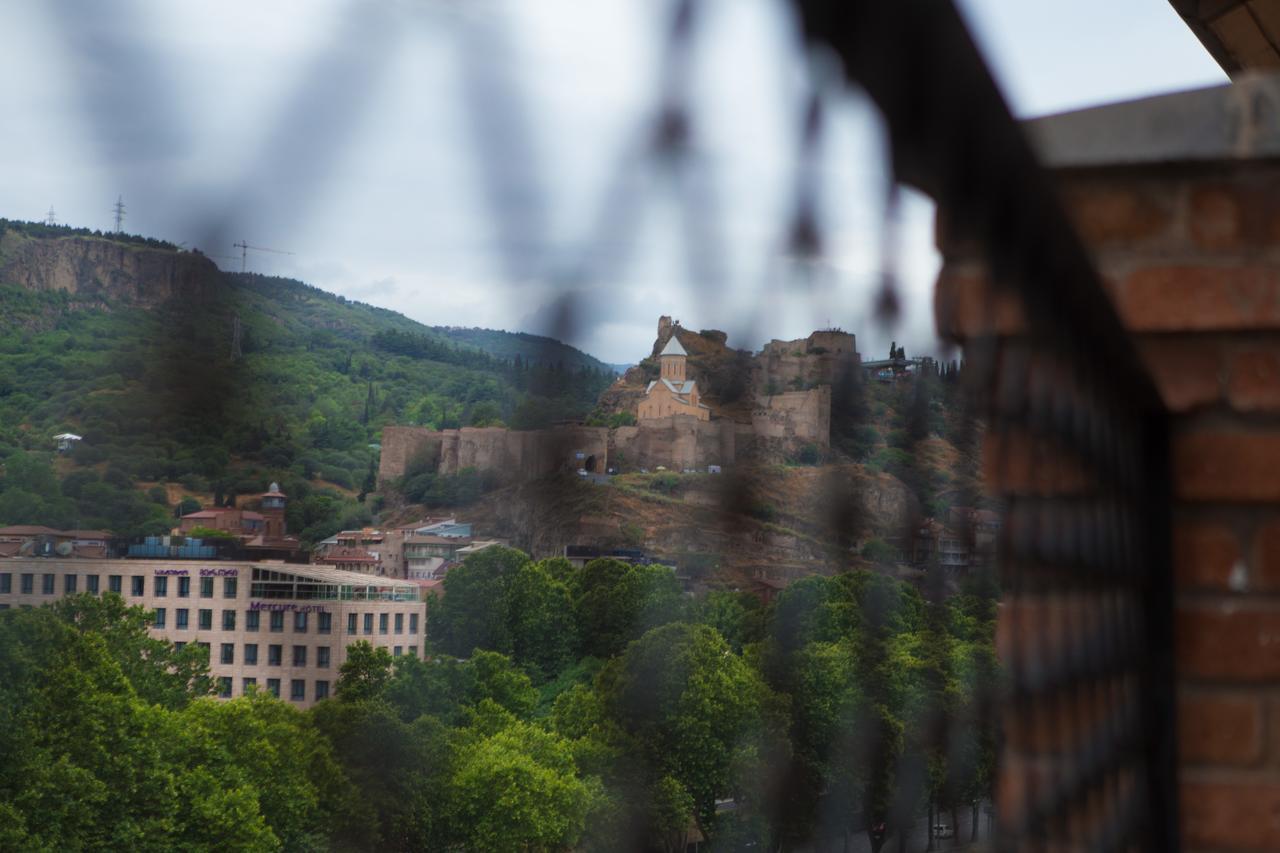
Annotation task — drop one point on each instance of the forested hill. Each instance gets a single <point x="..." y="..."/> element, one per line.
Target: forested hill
<point x="174" y="372"/>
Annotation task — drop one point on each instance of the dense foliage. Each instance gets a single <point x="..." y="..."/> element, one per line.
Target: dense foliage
<point x="172" y="393"/>
<point x="594" y="708"/>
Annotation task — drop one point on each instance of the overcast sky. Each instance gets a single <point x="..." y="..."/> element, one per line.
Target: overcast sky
<point x="481" y="163"/>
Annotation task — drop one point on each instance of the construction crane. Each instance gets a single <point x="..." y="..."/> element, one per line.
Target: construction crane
<point x="244" y="252"/>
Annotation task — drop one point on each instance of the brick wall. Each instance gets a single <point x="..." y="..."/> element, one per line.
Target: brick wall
<point x="1190" y="254"/>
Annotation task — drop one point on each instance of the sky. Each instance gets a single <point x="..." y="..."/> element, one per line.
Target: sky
<point x="488" y="163"/>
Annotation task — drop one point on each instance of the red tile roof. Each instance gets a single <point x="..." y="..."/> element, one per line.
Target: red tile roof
<point x="30" y="530"/>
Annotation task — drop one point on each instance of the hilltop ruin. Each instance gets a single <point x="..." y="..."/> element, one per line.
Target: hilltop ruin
<point x="697" y="403"/>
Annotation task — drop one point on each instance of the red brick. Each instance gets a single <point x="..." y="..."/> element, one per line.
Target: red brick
<point x="1222" y="465"/>
<point x="1105" y="213"/>
<point x="1187" y="372"/>
<point x="1237" y="814"/>
<point x="1223" y="730"/>
<point x="1255" y="380"/>
<point x="1200" y="298"/>
<point x="1265" y="566"/>
<point x="965" y="306"/>
<point x="1215" y="221"/>
<point x="1228" y="642"/>
<point x="1204" y="555"/>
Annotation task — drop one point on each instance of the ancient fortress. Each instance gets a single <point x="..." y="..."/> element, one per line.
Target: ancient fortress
<point x="788" y="407"/>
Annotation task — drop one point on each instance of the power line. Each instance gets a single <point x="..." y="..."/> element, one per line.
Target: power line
<point x="50" y="218"/>
<point x="244" y="252"/>
<point x="118" y="207"/>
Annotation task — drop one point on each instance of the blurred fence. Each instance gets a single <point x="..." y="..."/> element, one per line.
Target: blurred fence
<point x="1075" y="436"/>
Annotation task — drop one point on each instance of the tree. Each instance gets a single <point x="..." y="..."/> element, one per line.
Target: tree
<point x="692" y="710"/>
<point x="365" y="672"/>
<point x="517" y="789"/>
<point x="303" y="795"/>
<point x="470" y="615"/>
<point x="155" y="669"/>
<point x="540" y="616"/>
<point x="615" y="602"/>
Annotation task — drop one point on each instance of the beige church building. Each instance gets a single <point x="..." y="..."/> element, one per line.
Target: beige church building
<point x="672" y="393"/>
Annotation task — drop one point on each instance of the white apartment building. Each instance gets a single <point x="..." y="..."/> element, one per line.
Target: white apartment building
<point x="283" y="627"/>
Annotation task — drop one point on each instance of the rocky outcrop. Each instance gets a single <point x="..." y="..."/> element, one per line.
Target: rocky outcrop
<point x="95" y="269"/>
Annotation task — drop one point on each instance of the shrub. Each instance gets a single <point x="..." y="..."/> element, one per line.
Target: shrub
<point x="665" y="482"/>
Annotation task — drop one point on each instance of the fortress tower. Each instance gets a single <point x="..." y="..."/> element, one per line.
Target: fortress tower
<point x="273" y="513"/>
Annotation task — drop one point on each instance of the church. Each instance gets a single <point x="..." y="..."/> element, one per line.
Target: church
<point x="671" y="393"/>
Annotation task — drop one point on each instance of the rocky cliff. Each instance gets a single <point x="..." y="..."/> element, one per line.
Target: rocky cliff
<point x="95" y="269"/>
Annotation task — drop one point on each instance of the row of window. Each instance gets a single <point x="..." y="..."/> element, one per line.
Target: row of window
<point x="275" y="654"/>
<point x="297" y="688"/>
<point x="383" y="621"/>
<point x="115" y="583"/>
<point x="301" y="621"/>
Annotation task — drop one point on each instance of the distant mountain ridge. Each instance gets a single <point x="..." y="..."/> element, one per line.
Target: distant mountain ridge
<point x="144" y="271"/>
<point x="174" y="371"/>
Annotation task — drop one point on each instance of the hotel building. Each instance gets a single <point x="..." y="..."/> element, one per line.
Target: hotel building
<point x="283" y="627"/>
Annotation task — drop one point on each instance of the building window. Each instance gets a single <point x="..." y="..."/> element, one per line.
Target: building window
<point x="204" y="646"/>
<point x="299" y="623"/>
<point x="382" y="623"/>
<point x="251" y="654"/>
<point x="228" y="620"/>
<point x="224" y="687"/>
<point x="351" y="623"/>
<point x="46" y="584"/>
<point x="322" y="690"/>
<point x="277" y="621"/>
<point x="69" y="584"/>
<point x="161" y="586"/>
<point x="413" y="623"/>
<point x="322" y="657"/>
<point x="399" y="623"/>
<point x="137" y="586"/>
<point x="229" y="587"/>
<point x="299" y="655"/>
<point x="206" y="587"/>
<point x="324" y="623"/>
<point x="6" y="582"/>
<point x="413" y="651"/>
<point x="179" y="646"/>
<point x="28" y="583"/>
<point x="248" y="684"/>
<point x="397" y="651"/>
<point x="273" y="685"/>
<point x="275" y="654"/>
<point x="184" y="587"/>
<point x="251" y="620"/>
<point x="113" y="583"/>
<point x="182" y="618"/>
<point x="368" y="623"/>
<point x="206" y="620"/>
<point x="157" y="619"/>
<point x="228" y="652"/>
<point x="297" y="690"/>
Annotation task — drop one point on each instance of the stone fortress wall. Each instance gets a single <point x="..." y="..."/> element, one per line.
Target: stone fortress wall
<point x="797" y="414"/>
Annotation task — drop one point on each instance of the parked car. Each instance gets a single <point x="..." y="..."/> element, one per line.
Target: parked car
<point x="942" y="830"/>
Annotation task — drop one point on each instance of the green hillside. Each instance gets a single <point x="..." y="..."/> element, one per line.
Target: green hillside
<point x="159" y="395"/>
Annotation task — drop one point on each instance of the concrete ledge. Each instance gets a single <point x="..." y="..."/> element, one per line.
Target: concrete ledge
<point x="1236" y="121"/>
